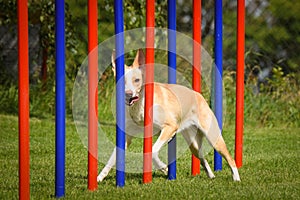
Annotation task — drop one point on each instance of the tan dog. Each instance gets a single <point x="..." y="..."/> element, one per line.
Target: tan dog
<point x="175" y="109"/>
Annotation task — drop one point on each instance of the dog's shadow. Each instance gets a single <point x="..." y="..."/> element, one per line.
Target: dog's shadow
<point x="135" y="177"/>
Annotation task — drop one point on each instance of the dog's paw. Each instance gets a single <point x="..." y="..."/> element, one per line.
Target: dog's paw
<point x="211" y="176"/>
<point x="235" y="174"/>
<point x="236" y="178"/>
<point x="100" y="178"/>
<point x="164" y="170"/>
<point x="103" y="173"/>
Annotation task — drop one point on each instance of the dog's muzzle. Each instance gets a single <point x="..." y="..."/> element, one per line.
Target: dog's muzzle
<point x="130" y="100"/>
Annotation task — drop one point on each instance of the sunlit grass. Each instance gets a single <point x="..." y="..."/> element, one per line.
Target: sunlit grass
<point x="270" y="170"/>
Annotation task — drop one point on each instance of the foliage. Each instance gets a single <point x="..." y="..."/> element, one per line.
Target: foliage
<point x="276" y="104"/>
<point x="272" y="41"/>
<point x="273" y="35"/>
<point x="42" y="91"/>
<point x="284" y="90"/>
<point x="135" y="13"/>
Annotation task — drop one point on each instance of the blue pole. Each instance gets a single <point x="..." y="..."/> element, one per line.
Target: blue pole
<point x="60" y="99"/>
<point x="172" y="80"/>
<point x="120" y="93"/>
<point x="218" y="75"/>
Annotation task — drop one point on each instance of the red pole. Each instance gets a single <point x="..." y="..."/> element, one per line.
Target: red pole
<point x="24" y="175"/>
<point x="240" y="82"/>
<point x="196" y="65"/>
<point x="148" y="123"/>
<point x="92" y="94"/>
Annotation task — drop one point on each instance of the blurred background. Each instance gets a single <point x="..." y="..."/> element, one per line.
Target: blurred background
<point x="272" y="61"/>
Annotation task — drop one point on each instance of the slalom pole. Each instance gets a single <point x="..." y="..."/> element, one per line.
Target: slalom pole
<point x="60" y="98"/>
<point x="218" y="75"/>
<point x="23" y="98"/>
<point x="196" y="65"/>
<point x="240" y="83"/>
<point x="92" y="94"/>
<point x="172" y="80"/>
<point x="149" y="86"/>
<point x="120" y="93"/>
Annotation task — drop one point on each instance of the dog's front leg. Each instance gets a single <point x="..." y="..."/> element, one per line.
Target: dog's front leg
<point x="112" y="161"/>
<point x="166" y="134"/>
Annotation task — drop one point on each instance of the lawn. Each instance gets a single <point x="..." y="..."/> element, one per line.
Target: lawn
<point x="270" y="167"/>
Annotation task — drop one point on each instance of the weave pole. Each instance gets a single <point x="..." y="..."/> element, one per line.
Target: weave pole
<point x="218" y="100"/>
<point x="92" y="94"/>
<point x="240" y="83"/>
<point x="149" y="86"/>
<point x="60" y="99"/>
<point x="23" y="68"/>
<point x="172" y="80"/>
<point x="196" y="65"/>
<point x="120" y="93"/>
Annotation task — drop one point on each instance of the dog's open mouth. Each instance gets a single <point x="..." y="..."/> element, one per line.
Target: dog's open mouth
<point x="132" y="100"/>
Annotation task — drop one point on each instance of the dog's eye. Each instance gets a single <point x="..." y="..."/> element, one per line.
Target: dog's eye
<point x="137" y="80"/>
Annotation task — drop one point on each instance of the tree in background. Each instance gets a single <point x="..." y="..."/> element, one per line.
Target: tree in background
<point x="272" y="34"/>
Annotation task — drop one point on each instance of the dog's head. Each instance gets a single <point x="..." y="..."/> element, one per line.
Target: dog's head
<point x="133" y="77"/>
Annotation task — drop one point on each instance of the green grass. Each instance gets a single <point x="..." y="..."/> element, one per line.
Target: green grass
<point x="270" y="170"/>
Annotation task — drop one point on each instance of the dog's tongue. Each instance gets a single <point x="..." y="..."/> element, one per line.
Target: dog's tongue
<point x="133" y="99"/>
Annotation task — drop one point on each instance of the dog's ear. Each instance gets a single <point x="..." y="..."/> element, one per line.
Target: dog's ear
<point x="139" y="60"/>
<point x="113" y="62"/>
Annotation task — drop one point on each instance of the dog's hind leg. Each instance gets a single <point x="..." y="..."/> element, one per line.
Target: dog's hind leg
<point x="220" y="147"/>
<point x="112" y="161"/>
<point x="213" y="134"/>
<point x="194" y="139"/>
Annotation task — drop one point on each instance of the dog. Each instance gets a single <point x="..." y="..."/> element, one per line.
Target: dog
<point x="176" y="109"/>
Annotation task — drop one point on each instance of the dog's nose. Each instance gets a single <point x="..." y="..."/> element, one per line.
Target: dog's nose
<point x="128" y="93"/>
<point x="128" y="96"/>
